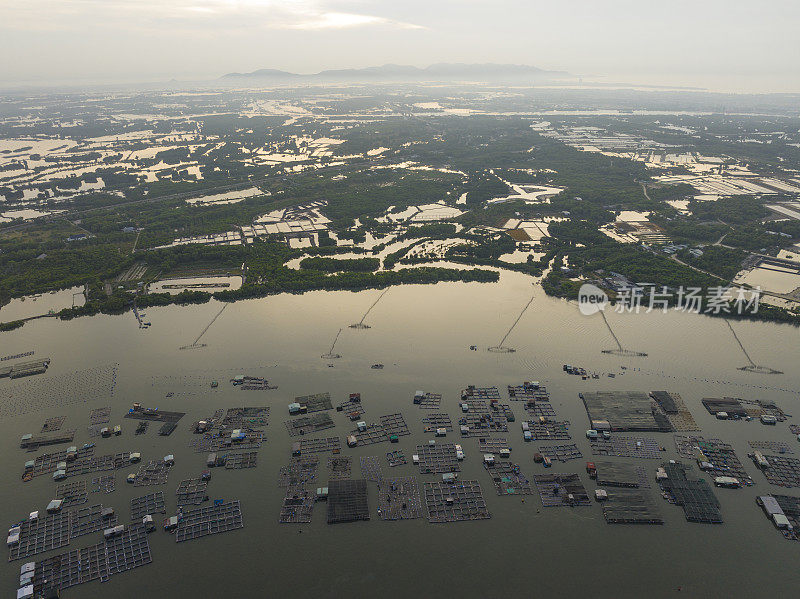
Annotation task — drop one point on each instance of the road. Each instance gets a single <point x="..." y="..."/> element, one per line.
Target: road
<point x="783" y="296"/>
<point x="705" y="272"/>
<point x="71" y="214"/>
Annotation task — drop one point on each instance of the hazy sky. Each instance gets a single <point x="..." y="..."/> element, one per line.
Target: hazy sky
<point x="727" y="44"/>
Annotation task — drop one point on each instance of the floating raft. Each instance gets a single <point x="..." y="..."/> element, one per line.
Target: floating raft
<point x="687" y="446"/>
<point x="353" y="409"/>
<point x="72" y="493"/>
<point x="212" y="422"/>
<point x="428" y="401"/>
<point x="695" y="496"/>
<point x="742" y="408"/>
<point x="631" y="506"/>
<point x="81" y="386"/>
<point x="339" y="468"/>
<point x="504" y="410"/>
<point x="627" y="447"/>
<point x="347" y="501"/>
<point x="100" y="415"/>
<point x="47" y="462"/>
<point x="23" y="369"/>
<point x="167" y="429"/>
<point x="155" y="415"/>
<point x="238" y="461"/>
<point x="676" y="411"/>
<point x="399" y="499"/>
<point x="246" y="417"/>
<point x="90" y="519"/>
<point x="455" y="502"/>
<point x="317" y="402"/>
<point x="390" y="425"/>
<point x="550" y="430"/>
<point x="479" y="418"/>
<point x="17" y="356"/>
<point x="298" y="505"/>
<point x="371" y="468"/>
<point x="221" y="440"/>
<point x="191" y="491"/>
<point x="152" y="473"/>
<point x="558" y="490"/>
<point x="104" y="484"/>
<point x="625" y="411"/>
<point x="438" y="458"/>
<point x="395" y="424"/>
<point x="53" y="424"/>
<point x="85" y="463"/>
<point x="562" y="453"/>
<point x="37" y="441"/>
<point x="620" y="474"/>
<point x="372" y="434"/>
<point x="541" y="409"/>
<point x="485" y="394"/>
<point x="332" y="444"/>
<point x="773" y="446"/>
<point x="396" y="458"/>
<point x="103" y="463"/>
<point x="529" y="393"/>
<point x="93" y="430"/>
<point x="49" y="532"/>
<point x="300" y="471"/>
<point x="783" y="471"/>
<point x="306" y="425"/>
<point x="724" y="460"/>
<point x="791" y="509"/>
<point x="493" y="445"/>
<point x="476" y="404"/>
<point x="211" y="520"/>
<point x="256" y="383"/>
<point x="436" y="421"/>
<point x="508" y="479"/>
<point x="52" y="531"/>
<point x="120" y="553"/>
<point x="152" y="503"/>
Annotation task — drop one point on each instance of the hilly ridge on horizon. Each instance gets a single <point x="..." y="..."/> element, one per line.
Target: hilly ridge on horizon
<point x="438" y="71"/>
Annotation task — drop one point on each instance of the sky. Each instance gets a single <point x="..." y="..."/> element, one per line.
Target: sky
<point x="728" y="45"/>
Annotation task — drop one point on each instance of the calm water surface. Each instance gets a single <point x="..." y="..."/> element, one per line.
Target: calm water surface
<point x="422" y="334"/>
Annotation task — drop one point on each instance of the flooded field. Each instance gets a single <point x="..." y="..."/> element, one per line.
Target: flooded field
<point x="421" y="336"/>
<point x="23" y="214"/>
<point x="231" y="197"/>
<point x="175" y="286"/>
<point x="36" y="305"/>
<point x="774" y="278"/>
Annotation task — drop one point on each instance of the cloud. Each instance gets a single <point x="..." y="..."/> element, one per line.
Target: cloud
<point x="153" y="15"/>
<point x="341" y="20"/>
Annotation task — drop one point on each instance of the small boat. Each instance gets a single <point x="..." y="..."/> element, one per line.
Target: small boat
<point x="377" y="366"/>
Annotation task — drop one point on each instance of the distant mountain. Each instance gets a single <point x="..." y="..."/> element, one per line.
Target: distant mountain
<point x="387" y="71"/>
<point x="395" y="72"/>
<point x="262" y="74"/>
<point x="445" y="69"/>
